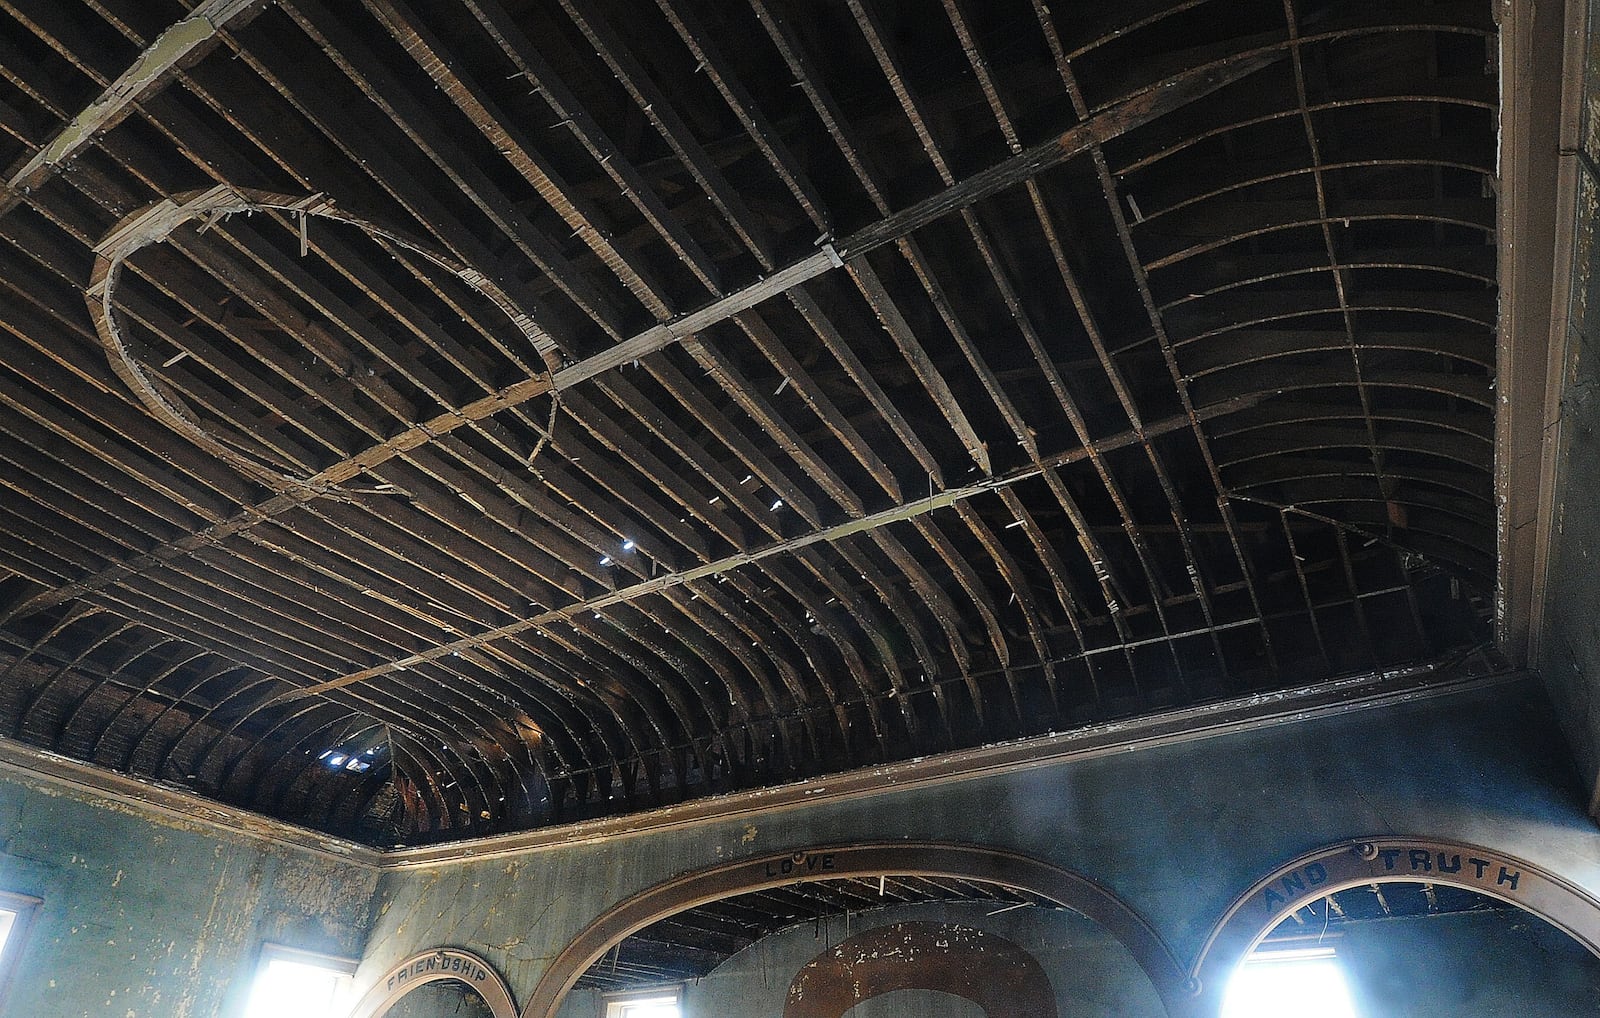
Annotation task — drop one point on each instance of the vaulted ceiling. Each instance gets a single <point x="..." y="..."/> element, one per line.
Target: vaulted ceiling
<point x="425" y="420"/>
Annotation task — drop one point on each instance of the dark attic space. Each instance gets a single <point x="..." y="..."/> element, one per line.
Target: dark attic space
<point x="798" y="508"/>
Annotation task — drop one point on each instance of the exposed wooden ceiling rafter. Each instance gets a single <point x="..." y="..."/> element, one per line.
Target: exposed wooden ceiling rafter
<point x="1108" y="410"/>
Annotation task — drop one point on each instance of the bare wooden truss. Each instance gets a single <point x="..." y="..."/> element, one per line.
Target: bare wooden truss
<point x="427" y="420"/>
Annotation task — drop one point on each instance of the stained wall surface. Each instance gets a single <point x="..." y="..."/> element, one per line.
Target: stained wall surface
<point x="142" y="919"/>
<point x="1569" y="655"/>
<point x="145" y="917"/>
<point x="1176" y="831"/>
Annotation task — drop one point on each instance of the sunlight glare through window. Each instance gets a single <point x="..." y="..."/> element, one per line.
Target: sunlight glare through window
<point x="8" y="918"/>
<point x="644" y="1007"/>
<point x="293" y="986"/>
<point x="1306" y="984"/>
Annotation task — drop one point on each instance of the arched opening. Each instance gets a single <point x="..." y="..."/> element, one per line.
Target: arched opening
<point x="1414" y="948"/>
<point x="1409" y="927"/>
<point x="444" y="999"/>
<point x="868" y="931"/>
<point x="442" y="983"/>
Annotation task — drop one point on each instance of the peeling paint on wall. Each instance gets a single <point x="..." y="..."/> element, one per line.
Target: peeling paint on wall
<point x="146" y="916"/>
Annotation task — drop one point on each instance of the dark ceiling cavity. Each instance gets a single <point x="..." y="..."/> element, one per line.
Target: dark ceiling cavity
<point x="556" y="409"/>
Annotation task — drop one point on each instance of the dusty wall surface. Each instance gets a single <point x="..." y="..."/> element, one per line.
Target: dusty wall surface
<point x="1569" y="656"/>
<point x="1177" y="832"/>
<point x="1468" y="966"/>
<point x="148" y="920"/>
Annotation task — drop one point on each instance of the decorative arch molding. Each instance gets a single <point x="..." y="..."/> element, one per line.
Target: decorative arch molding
<point x="1064" y="887"/>
<point x="1384" y="860"/>
<point x="989" y="970"/>
<point x="437" y="965"/>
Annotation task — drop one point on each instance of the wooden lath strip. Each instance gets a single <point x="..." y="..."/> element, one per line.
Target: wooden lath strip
<point x="831" y="534"/>
<point x="1069" y="80"/>
<point x="1118" y="595"/>
<point x="356" y="61"/>
<point x="511" y="141"/>
<point x="182" y="42"/>
<point x="1145" y="555"/>
<point x="1114" y="121"/>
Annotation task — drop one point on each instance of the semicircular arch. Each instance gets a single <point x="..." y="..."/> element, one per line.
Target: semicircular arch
<point x="1310" y="877"/>
<point x="432" y="966"/>
<point x="689" y="890"/>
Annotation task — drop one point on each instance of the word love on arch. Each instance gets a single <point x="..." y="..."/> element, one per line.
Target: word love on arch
<point x="1385" y="860"/>
<point x="437" y="965"/>
<point x="863" y="860"/>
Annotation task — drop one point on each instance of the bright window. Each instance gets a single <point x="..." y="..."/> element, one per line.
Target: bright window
<point x="1307" y="983"/>
<point x="650" y="1004"/>
<point x="300" y="984"/>
<point x="15" y="911"/>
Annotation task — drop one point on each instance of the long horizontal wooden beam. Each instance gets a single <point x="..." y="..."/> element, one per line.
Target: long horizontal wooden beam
<point x="183" y="41"/>
<point x="1164" y="97"/>
<point x="656" y="584"/>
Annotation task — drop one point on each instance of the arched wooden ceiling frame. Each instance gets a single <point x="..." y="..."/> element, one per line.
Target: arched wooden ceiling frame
<point x="941" y="536"/>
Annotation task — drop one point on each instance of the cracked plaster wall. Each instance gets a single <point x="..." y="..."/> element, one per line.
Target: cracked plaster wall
<point x="1176" y="831"/>
<point x="144" y="919"/>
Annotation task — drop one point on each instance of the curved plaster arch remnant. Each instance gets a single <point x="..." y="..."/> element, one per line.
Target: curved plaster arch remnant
<point x="922" y="859"/>
<point x="1314" y="875"/>
<point x="989" y="970"/>
<point x="153" y="224"/>
<point x="437" y="965"/>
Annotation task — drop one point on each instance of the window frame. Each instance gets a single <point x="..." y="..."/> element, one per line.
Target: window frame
<point x="23" y="907"/>
<point x="343" y="967"/>
<point x="1288" y="955"/>
<point x="617" y="1003"/>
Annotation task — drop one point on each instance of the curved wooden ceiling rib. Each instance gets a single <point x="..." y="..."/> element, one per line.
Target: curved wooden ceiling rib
<point x="606" y="203"/>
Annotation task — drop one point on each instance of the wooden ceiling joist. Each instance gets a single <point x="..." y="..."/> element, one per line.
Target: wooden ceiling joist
<point x="585" y="407"/>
